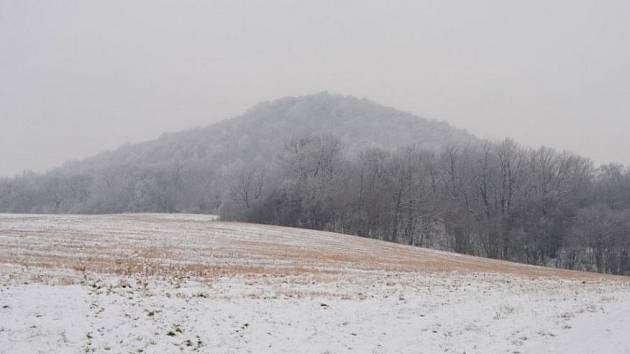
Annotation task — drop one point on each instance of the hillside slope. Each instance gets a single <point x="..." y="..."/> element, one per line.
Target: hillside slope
<point x="199" y="245"/>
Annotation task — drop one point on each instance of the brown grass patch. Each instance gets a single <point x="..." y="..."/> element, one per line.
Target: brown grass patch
<point x="230" y="249"/>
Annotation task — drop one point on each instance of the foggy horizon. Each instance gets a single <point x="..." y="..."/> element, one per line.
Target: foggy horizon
<point x="283" y="176"/>
<point x="81" y="78"/>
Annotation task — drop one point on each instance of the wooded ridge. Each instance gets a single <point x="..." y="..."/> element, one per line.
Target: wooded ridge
<point x="337" y="163"/>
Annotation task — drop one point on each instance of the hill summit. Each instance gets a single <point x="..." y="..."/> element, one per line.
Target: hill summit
<point x="266" y="127"/>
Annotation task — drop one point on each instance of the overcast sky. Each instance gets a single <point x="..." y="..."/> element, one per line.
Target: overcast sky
<point x="80" y="77"/>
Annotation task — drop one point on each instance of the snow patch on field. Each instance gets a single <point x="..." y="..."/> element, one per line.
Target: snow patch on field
<point x="162" y="284"/>
<point x="375" y="313"/>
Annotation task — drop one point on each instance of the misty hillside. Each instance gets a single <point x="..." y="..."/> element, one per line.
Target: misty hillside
<point x="265" y="128"/>
<point x="337" y="163"/>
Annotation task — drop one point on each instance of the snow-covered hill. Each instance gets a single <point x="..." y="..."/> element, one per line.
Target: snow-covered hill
<point x="169" y="283"/>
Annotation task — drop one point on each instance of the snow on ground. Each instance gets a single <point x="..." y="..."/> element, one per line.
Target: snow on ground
<point x="168" y="284"/>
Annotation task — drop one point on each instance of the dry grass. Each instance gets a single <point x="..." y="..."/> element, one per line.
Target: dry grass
<point x="153" y="245"/>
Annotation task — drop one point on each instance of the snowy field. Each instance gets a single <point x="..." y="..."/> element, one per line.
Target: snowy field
<point x="151" y="283"/>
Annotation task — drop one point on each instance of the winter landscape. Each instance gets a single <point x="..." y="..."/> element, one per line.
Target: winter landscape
<point x="315" y="176"/>
<point x="188" y="283"/>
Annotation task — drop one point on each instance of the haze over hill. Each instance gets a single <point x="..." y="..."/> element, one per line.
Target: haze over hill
<point x="263" y="130"/>
<point x="166" y="173"/>
<point x="80" y="77"/>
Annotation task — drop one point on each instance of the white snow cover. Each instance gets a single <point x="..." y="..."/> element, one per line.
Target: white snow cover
<point x="278" y="290"/>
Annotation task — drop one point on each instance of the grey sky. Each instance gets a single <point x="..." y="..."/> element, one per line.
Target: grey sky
<point x="79" y="77"/>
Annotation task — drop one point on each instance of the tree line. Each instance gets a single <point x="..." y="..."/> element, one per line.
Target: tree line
<point x="498" y="200"/>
